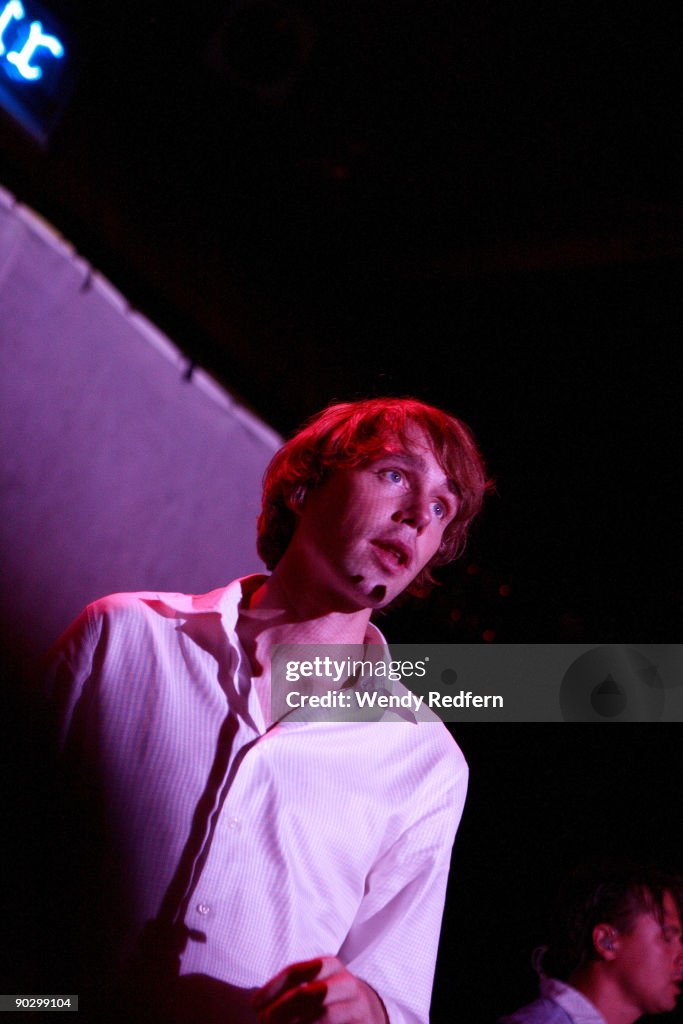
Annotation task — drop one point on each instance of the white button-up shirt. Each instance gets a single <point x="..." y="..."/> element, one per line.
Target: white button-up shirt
<point x="270" y="845"/>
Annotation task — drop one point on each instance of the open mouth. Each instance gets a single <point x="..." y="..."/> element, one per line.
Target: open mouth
<point x="394" y="554"/>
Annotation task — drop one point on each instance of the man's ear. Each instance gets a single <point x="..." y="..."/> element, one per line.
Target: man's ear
<point x="605" y="941"/>
<point x="295" y="499"/>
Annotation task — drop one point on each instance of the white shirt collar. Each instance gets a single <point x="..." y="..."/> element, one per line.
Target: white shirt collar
<point x="226" y="601"/>
<point x="573" y="1002"/>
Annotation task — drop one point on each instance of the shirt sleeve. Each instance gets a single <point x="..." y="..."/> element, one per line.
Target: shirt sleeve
<point x="393" y="942"/>
<point x="69" y="666"/>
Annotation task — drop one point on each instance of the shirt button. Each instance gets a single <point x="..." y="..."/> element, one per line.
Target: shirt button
<point x="203" y="909"/>
<point x="234" y="824"/>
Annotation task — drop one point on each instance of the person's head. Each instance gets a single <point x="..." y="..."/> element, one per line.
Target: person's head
<point x="620" y="924"/>
<point x="354" y="436"/>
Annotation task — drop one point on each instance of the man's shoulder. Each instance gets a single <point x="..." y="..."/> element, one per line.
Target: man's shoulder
<point x="139" y="600"/>
<point x="437" y="739"/>
<point x="128" y="615"/>
<point x="541" y="1011"/>
<point x="430" y="753"/>
<point x="154" y="604"/>
<point x="112" y="604"/>
<point x="448" y="755"/>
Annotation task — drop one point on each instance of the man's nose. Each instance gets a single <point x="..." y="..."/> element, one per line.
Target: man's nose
<point x="417" y="514"/>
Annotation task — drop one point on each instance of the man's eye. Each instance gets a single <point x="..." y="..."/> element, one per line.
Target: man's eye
<point x="393" y="475"/>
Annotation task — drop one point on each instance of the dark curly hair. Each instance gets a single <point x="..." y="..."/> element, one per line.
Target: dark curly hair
<point x="596" y="894"/>
<point x="352" y="434"/>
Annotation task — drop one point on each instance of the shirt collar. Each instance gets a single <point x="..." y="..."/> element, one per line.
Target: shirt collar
<point x="573" y="1002"/>
<point x="226" y="601"/>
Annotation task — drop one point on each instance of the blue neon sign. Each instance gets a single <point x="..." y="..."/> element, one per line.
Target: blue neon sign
<point x="34" y="65"/>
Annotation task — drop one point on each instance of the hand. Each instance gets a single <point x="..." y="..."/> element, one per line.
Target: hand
<point x="318" y="990"/>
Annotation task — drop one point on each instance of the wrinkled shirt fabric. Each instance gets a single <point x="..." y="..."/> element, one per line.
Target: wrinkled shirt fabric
<point x="266" y="846"/>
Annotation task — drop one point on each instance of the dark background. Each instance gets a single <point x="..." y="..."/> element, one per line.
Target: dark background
<point x="477" y="203"/>
<point x="543" y="799"/>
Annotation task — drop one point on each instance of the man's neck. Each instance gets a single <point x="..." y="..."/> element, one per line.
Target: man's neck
<point x="283" y="610"/>
<point x="605" y="996"/>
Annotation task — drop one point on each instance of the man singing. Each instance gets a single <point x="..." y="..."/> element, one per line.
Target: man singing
<point x="250" y="869"/>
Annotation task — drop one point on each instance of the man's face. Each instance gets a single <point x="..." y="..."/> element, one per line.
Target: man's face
<point x="649" y="965"/>
<point x="367" y="532"/>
